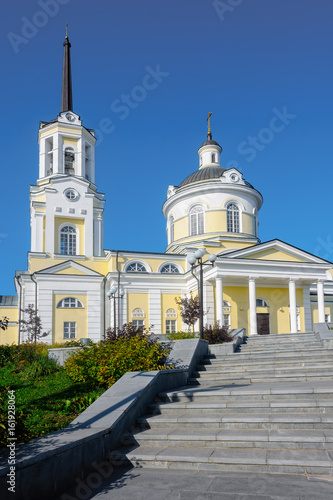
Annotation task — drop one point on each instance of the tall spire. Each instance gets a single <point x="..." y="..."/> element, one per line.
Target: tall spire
<point x="66" y="94"/>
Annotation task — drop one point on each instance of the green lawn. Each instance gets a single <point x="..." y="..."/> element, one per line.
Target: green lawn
<point x="43" y="404"/>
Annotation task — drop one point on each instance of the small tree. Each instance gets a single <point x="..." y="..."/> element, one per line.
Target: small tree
<point x="33" y="325"/>
<point x="4" y="323"/>
<point x="189" y="310"/>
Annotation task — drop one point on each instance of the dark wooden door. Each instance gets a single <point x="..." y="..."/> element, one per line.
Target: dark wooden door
<point x="263" y="324"/>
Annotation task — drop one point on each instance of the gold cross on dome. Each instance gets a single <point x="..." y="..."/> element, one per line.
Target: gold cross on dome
<point x="208" y="120"/>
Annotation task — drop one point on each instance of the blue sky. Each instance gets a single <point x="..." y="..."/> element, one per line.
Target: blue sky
<point x="246" y="61"/>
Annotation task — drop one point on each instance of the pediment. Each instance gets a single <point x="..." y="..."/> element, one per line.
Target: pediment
<point x="69" y="267"/>
<point x="275" y="250"/>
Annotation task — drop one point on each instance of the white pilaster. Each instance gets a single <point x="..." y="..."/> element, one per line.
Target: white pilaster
<point x="155" y="311"/>
<point x="293" y="306"/>
<point x="219" y="301"/>
<point x="79" y="159"/>
<point x="321" y="301"/>
<point x="253" y="306"/>
<point x="57" y="155"/>
<point x="307" y="308"/>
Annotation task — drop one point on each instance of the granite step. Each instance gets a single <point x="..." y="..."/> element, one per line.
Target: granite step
<point x="265" y="406"/>
<point x="269" y="370"/>
<point x="323" y="360"/>
<point x="257" y="379"/>
<point x="256" y="438"/>
<point x="319" y="462"/>
<point x="240" y="421"/>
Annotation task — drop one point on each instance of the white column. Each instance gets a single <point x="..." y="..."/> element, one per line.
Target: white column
<point x="293" y="306"/>
<point x="79" y="159"/>
<point x="39" y="231"/>
<point x="98" y="235"/>
<point x="57" y="155"/>
<point x="253" y="306"/>
<point x="42" y="158"/>
<point x="321" y="301"/>
<point x="219" y="301"/>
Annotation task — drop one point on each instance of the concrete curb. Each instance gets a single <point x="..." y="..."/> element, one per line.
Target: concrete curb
<point x="46" y="467"/>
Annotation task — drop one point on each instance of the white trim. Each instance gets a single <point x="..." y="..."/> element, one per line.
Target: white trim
<point x="140" y="261"/>
<point x="77" y="240"/>
<point x="170" y="262"/>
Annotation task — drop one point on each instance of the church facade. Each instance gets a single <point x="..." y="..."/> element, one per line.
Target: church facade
<point x="80" y="289"/>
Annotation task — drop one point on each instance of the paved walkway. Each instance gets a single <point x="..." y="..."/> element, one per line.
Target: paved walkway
<point x="128" y="483"/>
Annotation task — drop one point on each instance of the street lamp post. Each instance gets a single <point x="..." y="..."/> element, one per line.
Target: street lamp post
<point x="192" y="259"/>
<point x="112" y="294"/>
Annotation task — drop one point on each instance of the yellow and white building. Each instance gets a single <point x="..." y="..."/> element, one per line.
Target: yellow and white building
<point x="269" y="287"/>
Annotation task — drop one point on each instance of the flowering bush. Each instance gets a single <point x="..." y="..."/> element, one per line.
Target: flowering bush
<point x="108" y="361"/>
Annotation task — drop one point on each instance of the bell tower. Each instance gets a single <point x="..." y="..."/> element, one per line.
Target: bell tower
<point x="66" y="209"/>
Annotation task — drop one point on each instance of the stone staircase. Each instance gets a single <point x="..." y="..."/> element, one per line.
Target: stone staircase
<point x="268" y="408"/>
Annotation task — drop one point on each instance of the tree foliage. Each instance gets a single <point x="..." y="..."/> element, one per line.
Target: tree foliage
<point x="32" y="326"/>
<point x="189" y="310"/>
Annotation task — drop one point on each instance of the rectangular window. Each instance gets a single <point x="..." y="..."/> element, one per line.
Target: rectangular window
<point x="170" y="325"/>
<point x="327" y="318"/>
<point x="69" y="329"/>
<point x="226" y="320"/>
<point x="137" y="323"/>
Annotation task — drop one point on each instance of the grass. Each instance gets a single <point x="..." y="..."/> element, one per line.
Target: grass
<point x="46" y="398"/>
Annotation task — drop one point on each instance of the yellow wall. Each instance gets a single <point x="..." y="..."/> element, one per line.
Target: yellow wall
<point x="328" y="310"/>
<point x="79" y="223"/>
<point x="216" y="221"/>
<point x="248" y="224"/>
<point x="138" y="300"/>
<point x="9" y="336"/>
<point x="277" y="298"/>
<point x="60" y="315"/>
<point x="167" y="302"/>
<point x="273" y="254"/>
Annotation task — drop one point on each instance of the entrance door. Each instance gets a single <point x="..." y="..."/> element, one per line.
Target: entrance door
<point x="263" y="324"/>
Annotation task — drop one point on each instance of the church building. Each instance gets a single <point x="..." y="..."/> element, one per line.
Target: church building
<point x="80" y="289"/>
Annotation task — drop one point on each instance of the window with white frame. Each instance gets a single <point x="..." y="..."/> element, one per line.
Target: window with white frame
<point x="136" y="267"/>
<point x="262" y="303"/>
<point x="171" y="229"/>
<point x="169" y="268"/>
<point x="226" y="314"/>
<point x="197" y="225"/>
<point x="232" y="218"/>
<point x="170" y="320"/>
<point x="327" y="318"/>
<point x="138" y="317"/>
<point x="69" y="302"/>
<point x="69" y="329"/>
<point x="69" y="161"/>
<point x="213" y="158"/>
<point x="68" y="240"/>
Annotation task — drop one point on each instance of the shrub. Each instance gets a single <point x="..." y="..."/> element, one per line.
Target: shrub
<point x="216" y="334"/>
<point x="128" y="331"/>
<point x="41" y="368"/>
<point x="181" y="335"/>
<point x="108" y="361"/>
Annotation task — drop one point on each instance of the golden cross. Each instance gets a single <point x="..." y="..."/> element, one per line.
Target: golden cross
<point x="208" y="120"/>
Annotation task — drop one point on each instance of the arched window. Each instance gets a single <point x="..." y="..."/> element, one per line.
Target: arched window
<point x="138" y="317"/>
<point x="169" y="268"/>
<point x="213" y="158"/>
<point x="68" y="240"/>
<point x="171" y="229"/>
<point x="233" y="218"/>
<point x="136" y="267"/>
<point x="262" y="303"/>
<point x="171" y="320"/>
<point x="226" y="314"/>
<point x="69" y="161"/>
<point x="69" y="302"/>
<point x="196" y="220"/>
